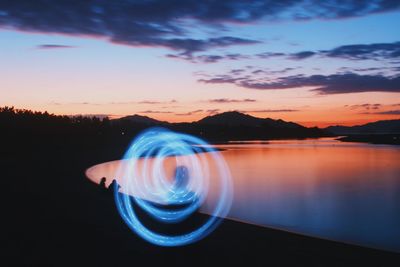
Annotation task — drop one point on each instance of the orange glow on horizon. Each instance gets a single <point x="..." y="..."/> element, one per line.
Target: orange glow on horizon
<point x="320" y="116"/>
<point x="306" y="122"/>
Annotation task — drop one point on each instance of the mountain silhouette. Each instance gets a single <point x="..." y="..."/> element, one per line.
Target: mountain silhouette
<point x="232" y="125"/>
<point x="140" y="119"/>
<point x="221" y="127"/>
<point x="235" y="118"/>
<point x="378" y="127"/>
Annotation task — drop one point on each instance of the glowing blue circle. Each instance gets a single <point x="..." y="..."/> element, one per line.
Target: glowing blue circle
<point x="144" y="174"/>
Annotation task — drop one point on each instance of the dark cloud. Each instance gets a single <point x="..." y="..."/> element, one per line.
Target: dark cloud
<point x="166" y="23"/>
<point x="271" y="110"/>
<point x="389" y="112"/>
<point x="302" y="55"/>
<point x="237" y="71"/>
<point x="272" y="72"/>
<point x="53" y="46"/>
<point x="258" y="71"/>
<point x="212" y="111"/>
<point x="152" y="102"/>
<point x="366" y="106"/>
<point x="376" y="51"/>
<point x="221" y="79"/>
<point x="325" y="84"/>
<point x="227" y="100"/>
<point x="282" y="71"/>
<point x="189" y="46"/>
<point x="368" y="69"/>
<point x="268" y="55"/>
<point x="149" y="102"/>
<point x="135" y="23"/>
<point x="189" y="113"/>
<point x="365" y="51"/>
<point x="154" y="112"/>
<point x="207" y="58"/>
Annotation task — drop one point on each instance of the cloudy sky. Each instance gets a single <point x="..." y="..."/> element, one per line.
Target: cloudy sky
<point x="317" y="63"/>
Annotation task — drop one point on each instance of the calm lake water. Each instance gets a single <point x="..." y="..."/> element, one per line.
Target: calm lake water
<point x="348" y="192"/>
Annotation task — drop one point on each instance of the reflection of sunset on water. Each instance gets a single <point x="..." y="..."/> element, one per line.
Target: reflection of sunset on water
<point x="342" y="191"/>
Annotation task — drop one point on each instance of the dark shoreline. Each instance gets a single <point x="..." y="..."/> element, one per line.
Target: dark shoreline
<point x="378" y="139"/>
<point x="107" y="241"/>
<point x="56" y="216"/>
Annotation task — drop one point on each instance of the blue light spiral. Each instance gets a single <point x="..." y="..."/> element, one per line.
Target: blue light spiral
<point x="144" y="174"/>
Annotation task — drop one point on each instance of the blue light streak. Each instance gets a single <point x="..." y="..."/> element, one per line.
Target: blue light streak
<point x="145" y="175"/>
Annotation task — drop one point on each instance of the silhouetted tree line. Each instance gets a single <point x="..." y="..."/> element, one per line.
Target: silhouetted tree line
<point x="17" y="118"/>
<point x="35" y="130"/>
<point x="21" y="121"/>
<point x="14" y="120"/>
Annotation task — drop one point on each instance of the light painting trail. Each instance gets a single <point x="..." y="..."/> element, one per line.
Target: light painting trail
<point x="144" y="174"/>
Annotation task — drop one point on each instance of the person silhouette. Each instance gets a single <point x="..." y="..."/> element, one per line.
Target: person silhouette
<point x="114" y="184"/>
<point x="103" y="183"/>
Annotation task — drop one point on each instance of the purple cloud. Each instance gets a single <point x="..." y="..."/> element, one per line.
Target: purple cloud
<point x="325" y="84"/>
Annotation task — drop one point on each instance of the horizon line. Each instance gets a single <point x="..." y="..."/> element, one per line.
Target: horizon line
<point x="308" y="124"/>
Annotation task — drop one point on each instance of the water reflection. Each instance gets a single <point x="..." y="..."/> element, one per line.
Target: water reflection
<point x="342" y="191"/>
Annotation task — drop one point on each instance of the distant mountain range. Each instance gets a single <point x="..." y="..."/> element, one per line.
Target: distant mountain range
<point x="378" y="127"/>
<point x="231" y="118"/>
<point x="235" y="118"/>
<point x="234" y="125"/>
<point x="217" y="128"/>
<point x="141" y="119"/>
<point x="229" y="126"/>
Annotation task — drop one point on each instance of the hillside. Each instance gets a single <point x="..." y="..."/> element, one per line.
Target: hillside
<point x="225" y="126"/>
<point x="140" y="119"/>
<point x="234" y="118"/>
<point x="378" y="127"/>
<point x="218" y="128"/>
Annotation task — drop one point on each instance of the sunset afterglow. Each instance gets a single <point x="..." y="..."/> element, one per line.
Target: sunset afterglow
<point x="264" y="67"/>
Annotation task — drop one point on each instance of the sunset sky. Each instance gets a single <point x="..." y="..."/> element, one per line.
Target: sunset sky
<point x="317" y="63"/>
